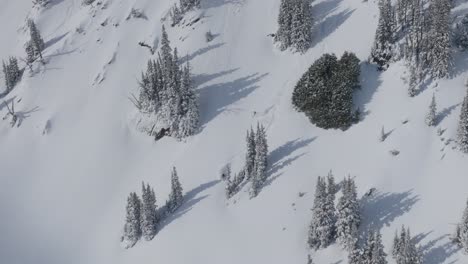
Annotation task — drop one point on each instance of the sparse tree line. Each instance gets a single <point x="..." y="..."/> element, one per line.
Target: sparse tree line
<point x="255" y="168"/>
<point x="142" y="215"/>
<point x="178" y="10"/>
<point x="12" y="73"/>
<point x="418" y="31"/>
<point x="167" y="94"/>
<point x="325" y="92"/>
<point x="342" y="223"/>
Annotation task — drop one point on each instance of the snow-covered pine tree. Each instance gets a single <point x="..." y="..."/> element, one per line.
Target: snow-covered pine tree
<point x="464" y="229"/>
<point x="460" y="34"/>
<point x="132" y="228"/>
<point x="431" y="116"/>
<point x="149" y="217"/>
<point x="176" y="197"/>
<point x="462" y="131"/>
<point x="348" y="214"/>
<point x="322" y="227"/>
<point x="189" y="112"/>
<point x="261" y="161"/>
<point x="294" y="25"/>
<point x="36" y="40"/>
<point x="323" y="93"/>
<point x="11" y="73"/>
<point x="301" y="24"/>
<point x="166" y="91"/>
<point x="30" y="54"/>
<point x="176" y="15"/>
<point x="373" y="252"/>
<point x="384" y="37"/>
<point x="283" y="35"/>
<point x="330" y="202"/>
<point x="439" y="53"/>
<point x="250" y="155"/>
<point x="355" y="255"/>
<point x="404" y="249"/>
<point x="187" y="5"/>
<point x="233" y="185"/>
<point x="350" y="70"/>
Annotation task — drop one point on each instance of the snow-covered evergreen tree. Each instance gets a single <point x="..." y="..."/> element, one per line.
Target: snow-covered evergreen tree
<point x="11" y="73"/>
<point x="233" y="185"/>
<point x="322" y="226"/>
<point x="463" y="236"/>
<point x="250" y="155"/>
<point x="176" y="15"/>
<point x="132" y="228"/>
<point x="176" y="197"/>
<point x="294" y="25"/>
<point x="439" y="54"/>
<point x="373" y="252"/>
<point x="355" y="255"/>
<point x="259" y="176"/>
<point x="325" y="92"/>
<point x="35" y="39"/>
<point x="149" y="217"/>
<point x="460" y="34"/>
<point x="462" y="132"/>
<point x="431" y="116"/>
<point x="167" y="93"/>
<point x="384" y="37"/>
<point x="404" y="249"/>
<point x="348" y="214"/>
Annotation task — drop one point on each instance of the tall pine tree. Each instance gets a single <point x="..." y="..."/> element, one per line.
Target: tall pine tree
<point x="384" y="37"/>
<point x="261" y="161"/>
<point x="349" y="215"/>
<point x="149" y="217"/>
<point x="132" y="228"/>
<point x="176" y="197"/>
<point x="462" y="132"/>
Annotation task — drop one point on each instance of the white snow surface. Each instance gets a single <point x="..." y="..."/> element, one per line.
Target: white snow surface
<point x="67" y="169"/>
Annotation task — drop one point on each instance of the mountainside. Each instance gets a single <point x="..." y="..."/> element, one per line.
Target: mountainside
<point x="76" y="152"/>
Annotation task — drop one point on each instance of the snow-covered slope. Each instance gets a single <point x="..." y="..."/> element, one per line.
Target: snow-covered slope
<point x="67" y="169"/>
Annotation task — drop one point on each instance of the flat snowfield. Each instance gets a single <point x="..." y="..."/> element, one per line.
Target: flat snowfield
<point x="75" y="153"/>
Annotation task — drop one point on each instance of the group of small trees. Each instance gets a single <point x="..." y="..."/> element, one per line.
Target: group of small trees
<point x="325" y="92"/>
<point x="142" y="217"/>
<point x="372" y="251"/>
<point x="35" y="45"/>
<point x="328" y="224"/>
<point x="256" y="162"/>
<point x="424" y="30"/>
<point x="178" y="11"/>
<point x="166" y="91"/>
<point x="294" y="25"/>
<point x="404" y="249"/>
<point x="11" y="73"/>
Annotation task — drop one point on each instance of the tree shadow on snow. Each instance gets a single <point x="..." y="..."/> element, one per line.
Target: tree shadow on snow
<point x="54" y="40"/>
<point x="190" y="200"/>
<point x="214" y="99"/>
<point x="280" y="158"/>
<point x="217" y="3"/>
<point x="435" y="253"/>
<point x="200" y="52"/>
<point x="204" y="78"/>
<point x="444" y="113"/>
<point x="370" y="81"/>
<point x="381" y="209"/>
<point x="327" y="26"/>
